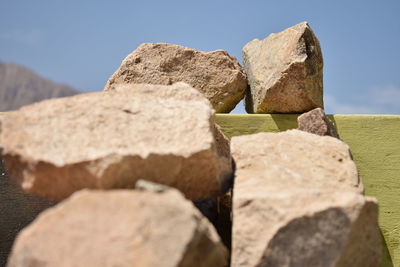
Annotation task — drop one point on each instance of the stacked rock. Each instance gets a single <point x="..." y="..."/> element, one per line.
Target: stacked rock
<point x="129" y="166"/>
<point x="108" y="141"/>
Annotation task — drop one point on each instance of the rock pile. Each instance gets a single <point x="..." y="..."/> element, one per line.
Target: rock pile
<point x="146" y="229"/>
<point x="130" y="165"/>
<point x="111" y="139"/>
<point x="297" y="201"/>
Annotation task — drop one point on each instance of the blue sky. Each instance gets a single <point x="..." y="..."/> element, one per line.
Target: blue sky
<point x="81" y="43"/>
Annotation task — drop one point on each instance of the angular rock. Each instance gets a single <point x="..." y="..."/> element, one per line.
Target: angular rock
<point x="216" y="74"/>
<point x="297" y="202"/>
<point x="306" y="158"/>
<point x="316" y="122"/>
<point x="111" y="139"/>
<point x="120" y="228"/>
<point x="284" y="72"/>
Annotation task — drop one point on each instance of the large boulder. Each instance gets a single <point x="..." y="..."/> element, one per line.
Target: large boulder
<point x="165" y="134"/>
<point x="297" y="201"/>
<point x="284" y="72"/>
<point x="216" y="74"/>
<point x="120" y="228"/>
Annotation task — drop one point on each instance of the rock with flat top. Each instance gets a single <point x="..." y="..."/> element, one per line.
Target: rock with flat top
<point x="164" y="134"/>
<point x="284" y="72"/>
<point x="216" y="74"/>
<point x="316" y="122"/>
<point x="120" y="228"/>
<point x="297" y="201"/>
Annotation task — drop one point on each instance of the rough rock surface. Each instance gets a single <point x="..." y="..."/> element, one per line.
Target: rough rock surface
<point x="216" y="74"/>
<point x="284" y="72"/>
<point x="316" y="122"/>
<point x="297" y="202"/>
<point x="120" y="228"/>
<point x="111" y="139"/>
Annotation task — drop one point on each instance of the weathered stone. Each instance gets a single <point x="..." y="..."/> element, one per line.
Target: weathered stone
<point x="145" y="185"/>
<point x="216" y="74"/>
<point x="284" y="72"/>
<point x="120" y="228"/>
<point x="297" y="202"/>
<point x="307" y="158"/>
<point x="316" y="122"/>
<point x="163" y="134"/>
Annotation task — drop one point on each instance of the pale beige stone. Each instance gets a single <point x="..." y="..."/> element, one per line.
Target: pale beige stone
<point x="111" y="139"/>
<point x="297" y="201"/>
<point x="284" y="72"/>
<point x="316" y="122"/>
<point x="307" y="158"/>
<point x="120" y="228"/>
<point x="216" y="74"/>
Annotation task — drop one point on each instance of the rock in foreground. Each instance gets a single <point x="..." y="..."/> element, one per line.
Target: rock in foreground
<point x="164" y="134"/>
<point x="297" y="202"/>
<point x="120" y="228"/>
<point x="316" y="122"/>
<point x="216" y="74"/>
<point x="284" y="72"/>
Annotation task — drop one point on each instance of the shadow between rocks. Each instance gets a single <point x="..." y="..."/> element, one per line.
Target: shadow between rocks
<point x="17" y="210"/>
<point x="386" y="258"/>
<point x="285" y="122"/>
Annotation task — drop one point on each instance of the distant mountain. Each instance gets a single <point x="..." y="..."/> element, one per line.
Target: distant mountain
<point x="20" y="86"/>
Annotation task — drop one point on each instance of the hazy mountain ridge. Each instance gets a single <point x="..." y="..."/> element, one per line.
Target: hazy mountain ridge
<point x="20" y="86"/>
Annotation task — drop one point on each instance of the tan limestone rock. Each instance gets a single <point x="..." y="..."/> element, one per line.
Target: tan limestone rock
<point x="316" y="122"/>
<point x="120" y="228"/>
<point x="284" y="72"/>
<point x="216" y="74"/>
<point x="163" y="134"/>
<point x="297" y="202"/>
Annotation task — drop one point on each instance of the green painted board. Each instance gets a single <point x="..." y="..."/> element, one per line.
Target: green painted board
<point x="375" y="144"/>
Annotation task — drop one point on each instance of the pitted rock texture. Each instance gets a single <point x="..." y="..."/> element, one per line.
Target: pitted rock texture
<point x="143" y="229"/>
<point x="316" y="122"/>
<point x="297" y="201"/>
<point x="163" y="134"/>
<point x="216" y="74"/>
<point x="284" y="72"/>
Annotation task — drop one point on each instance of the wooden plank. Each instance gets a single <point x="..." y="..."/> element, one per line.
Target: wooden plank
<point x="375" y="144"/>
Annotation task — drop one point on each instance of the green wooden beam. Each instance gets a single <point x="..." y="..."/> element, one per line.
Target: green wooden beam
<point x="375" y="144"/>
